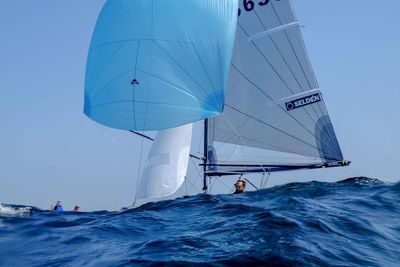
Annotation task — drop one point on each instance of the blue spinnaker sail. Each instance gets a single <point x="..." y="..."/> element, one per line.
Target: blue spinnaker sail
<point x="157" y="64"/>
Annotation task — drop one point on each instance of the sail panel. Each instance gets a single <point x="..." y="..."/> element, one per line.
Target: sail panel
<point x="274" y="127"/>
<point x="159" y="64"/>
<point x="272" y="101"/>
<point x="167" y="163"/>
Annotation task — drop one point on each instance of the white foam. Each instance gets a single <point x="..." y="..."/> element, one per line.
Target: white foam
<point x="8" y="211"/>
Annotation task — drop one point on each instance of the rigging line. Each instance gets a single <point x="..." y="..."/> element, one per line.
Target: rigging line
<point x="139" y="170"/>
<point x="118" y="143"/>
<point x="228" y="157"/>
<point x="212" y="185"/>
<point x="233" y="136"/>
<point x="183" y="69"/>
<point x="262" y="180"/>
<point x="262" y="91"/>
<point x="294" y="137"/>
<point x="240" y="137"/>
<point x="202" y="138"/>
<point x="251" y="183"/>
<point x="142" y="135"/>
<point x="193" y="187"/>
<point x="187" y="192"/>
<point x="199" y="175"/>
<point x="265" y="182"/>
<point x="229" y="188"/>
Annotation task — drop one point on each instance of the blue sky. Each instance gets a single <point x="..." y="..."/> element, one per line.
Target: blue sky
<point x="49" y="150"/>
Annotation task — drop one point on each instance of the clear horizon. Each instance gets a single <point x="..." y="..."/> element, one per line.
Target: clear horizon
<point x="50" y="151"/>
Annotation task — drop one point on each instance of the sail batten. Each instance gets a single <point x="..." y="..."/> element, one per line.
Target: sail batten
<point x="274" y="30"/>
<point x="272" y="102"/>
<point x="241" y="66"/>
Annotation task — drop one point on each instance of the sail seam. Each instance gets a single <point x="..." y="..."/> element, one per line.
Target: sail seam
<point x="200" y="87"/>
<point x="294" y="137"/>
<point x="284" y="59"/>
<point x="205" y="71"/>
<point x="133" y="87"/>
<point x="305" y="76"/>
<point x="285" y="112"/>
<point x="250" y="139"/>
<point x="294" y="52"/>
<point x="290" y="69"/>
<point x="105" y="67"/>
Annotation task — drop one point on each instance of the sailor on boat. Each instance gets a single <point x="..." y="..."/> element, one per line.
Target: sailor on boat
<point x="58" y="206"/>
<point x="240" y="186"/>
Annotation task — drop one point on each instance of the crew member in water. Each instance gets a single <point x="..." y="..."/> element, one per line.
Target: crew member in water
<point x="58" y="206"/>
<point x="240" y="186"/>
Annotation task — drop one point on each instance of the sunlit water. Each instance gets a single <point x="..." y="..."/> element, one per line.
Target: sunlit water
<point x="355" y="222"/>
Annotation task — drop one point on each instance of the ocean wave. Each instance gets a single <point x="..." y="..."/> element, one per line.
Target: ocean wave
<point x="14" y="210"/>
<point x="355" y="222"/>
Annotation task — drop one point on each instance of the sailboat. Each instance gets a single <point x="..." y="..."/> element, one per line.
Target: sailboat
<point x="238" y="67"/>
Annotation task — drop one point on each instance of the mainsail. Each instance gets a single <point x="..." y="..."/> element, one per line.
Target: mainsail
<point x="273" y="102"/>
<point x="159" y="64"/>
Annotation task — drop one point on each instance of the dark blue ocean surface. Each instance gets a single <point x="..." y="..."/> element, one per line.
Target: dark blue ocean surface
<point x="355" y="222"/>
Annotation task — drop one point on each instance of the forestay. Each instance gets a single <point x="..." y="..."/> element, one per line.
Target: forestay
<point x="156" y="64"/>
<point x="166" y="164"/>
<point x="272" y="101"/>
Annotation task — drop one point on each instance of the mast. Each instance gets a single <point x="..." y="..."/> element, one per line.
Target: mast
<point x="205" y="156"/>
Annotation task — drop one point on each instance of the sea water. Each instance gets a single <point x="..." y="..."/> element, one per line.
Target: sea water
<point x="355" y="222"/>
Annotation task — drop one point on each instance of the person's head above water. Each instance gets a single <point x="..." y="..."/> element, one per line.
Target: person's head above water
<point x="240" y="186"/>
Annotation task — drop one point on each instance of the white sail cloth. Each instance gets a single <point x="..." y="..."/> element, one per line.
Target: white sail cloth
<point x="272" y="101"/>
<point x="167" y="163"/>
